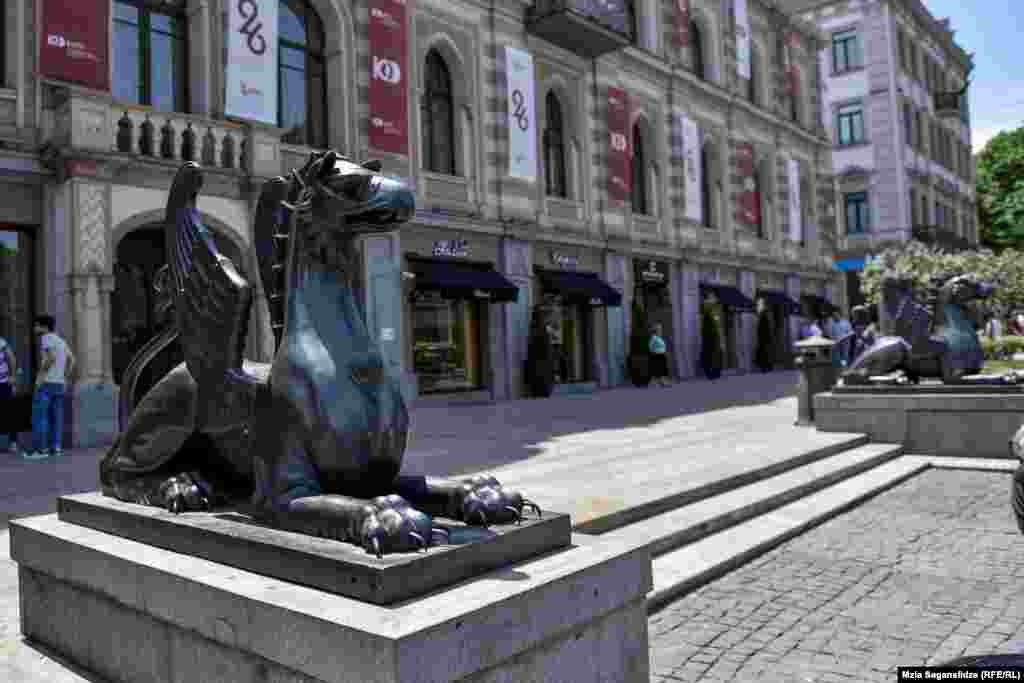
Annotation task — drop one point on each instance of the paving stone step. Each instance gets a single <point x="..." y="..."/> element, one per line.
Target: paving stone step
<point x="688" y="524"/>
<point x="682" y="571"/>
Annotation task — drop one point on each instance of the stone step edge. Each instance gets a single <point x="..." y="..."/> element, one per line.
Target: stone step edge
<point x="637" y="513"/>
<point x="691" y="523"/>
<point x="728" y="556"/>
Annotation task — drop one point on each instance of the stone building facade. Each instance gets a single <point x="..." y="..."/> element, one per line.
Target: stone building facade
<point x="87" y="173"/>
<point x="902" y="158"/>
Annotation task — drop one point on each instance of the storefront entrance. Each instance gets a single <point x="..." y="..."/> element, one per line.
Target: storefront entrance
<point x="17" y="275"/>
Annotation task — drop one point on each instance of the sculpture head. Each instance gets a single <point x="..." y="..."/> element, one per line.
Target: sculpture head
<point x="964" y="289"/>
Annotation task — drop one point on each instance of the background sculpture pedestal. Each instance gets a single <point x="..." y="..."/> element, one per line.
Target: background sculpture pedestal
<point x="132" y="611"/>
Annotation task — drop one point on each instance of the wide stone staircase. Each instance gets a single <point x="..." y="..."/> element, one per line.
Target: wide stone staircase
<point x="715" y="528"/>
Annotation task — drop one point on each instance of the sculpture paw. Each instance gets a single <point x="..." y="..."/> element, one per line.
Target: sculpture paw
<point x="186" y="491"/>
<point x="485" y="502"/>
<point x="394" y="526"/>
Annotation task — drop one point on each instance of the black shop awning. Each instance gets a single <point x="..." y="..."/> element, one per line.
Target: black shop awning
<point x="728" y="296"/>
<point x="819" y="304"/>
<point x="773" y="297"/>
<point x="574" y="284"/>
<point x="462" y="280"/>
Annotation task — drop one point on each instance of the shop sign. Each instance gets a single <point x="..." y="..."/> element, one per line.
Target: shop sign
<point x="387" y="96"/>
<point x="564" y="260"/>
<point x="75" y="41"/>
<point x="654" y="273"/>
<point x="456" y="248"/>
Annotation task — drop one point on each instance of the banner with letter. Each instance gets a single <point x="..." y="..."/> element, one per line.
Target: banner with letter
<point x="387" y="97"/>
<point x="681" y="23"/>
<point x="796" y="228"/>
<point x="522" y="126"/>
<point x="749" y="203"/>
<point x="74" y="42"/>
<point x="742" y="39"/>
<point x="251" y="83"/>
<point x="619" y="152"/>
<point x="693" y="170"/>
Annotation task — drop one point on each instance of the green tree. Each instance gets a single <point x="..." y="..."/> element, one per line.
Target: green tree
<point x="1000" y="179"/>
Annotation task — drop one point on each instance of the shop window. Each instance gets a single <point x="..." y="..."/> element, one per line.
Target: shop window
<point x="639" y="168"/>
<point x="302" y="75"/>
<point x="438" y="117"/>
<point x="850" y="125"/>
<point x="554" y="148"/>
<point x="697" y="51"/>
<point x="17" y="275"/>
<point x="446" y="343"/>
<point x="753" y="83"/>
<point x="150" y="51"/>
<point x="858" y="219"/>
<point x="845" y="52"/>
<point x="794" y="99"/>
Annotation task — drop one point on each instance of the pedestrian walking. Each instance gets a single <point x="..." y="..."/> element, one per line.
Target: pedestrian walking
<point x="659" y="357"/>
<point x="8" y="373"/>
<point x="48" y="399"/>
<point x="841" y="329"/>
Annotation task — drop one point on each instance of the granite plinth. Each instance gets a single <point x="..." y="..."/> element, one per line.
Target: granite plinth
<point x="233" y="538"/>
<point x="130" y="611"/>
<point x="944" y="420"/>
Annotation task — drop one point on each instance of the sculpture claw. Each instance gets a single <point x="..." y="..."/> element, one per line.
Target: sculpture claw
<point x="376" y="549"/>
<point x="536" y="508"/>
<point x="435" y="530"/>
<point x="483" y="517"/>
<point x="419" y="539"/>
<point x="176" y="505"/>
<point x="517" y="513"/>
<point x="205" y="503"/>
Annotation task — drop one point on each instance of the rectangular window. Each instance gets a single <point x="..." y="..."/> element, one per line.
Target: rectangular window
<point x="446" y="343"/>
<point x="908" y="123"/>
<point x="913" y="208"/>
<point x="150" y="57"/>
<point x="858" y="219"/>
<point x="845" y="51"/>
<point x="850" y="125"/>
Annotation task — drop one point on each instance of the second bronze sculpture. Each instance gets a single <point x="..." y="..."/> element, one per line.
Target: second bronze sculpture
<point x="315" y="439"/>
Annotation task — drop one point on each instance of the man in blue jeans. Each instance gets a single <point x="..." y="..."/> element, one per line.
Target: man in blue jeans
<point x="48" y="400"/>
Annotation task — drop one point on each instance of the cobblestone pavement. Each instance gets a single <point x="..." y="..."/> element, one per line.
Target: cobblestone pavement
<point x="919" y="575"/>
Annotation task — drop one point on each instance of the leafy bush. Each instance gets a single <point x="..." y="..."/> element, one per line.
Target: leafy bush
<point x="1001" y="348"/>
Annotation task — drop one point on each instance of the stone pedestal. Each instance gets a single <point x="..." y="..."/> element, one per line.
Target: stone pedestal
<point x="130" y="611"/>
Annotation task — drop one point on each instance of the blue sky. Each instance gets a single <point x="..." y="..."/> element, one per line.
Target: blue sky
<point x="994" y="31"/>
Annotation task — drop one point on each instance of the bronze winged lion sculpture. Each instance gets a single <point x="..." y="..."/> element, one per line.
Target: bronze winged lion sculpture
<point x="315" y="439"/>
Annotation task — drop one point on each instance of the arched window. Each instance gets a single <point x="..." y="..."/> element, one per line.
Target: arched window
<point x="697" y="51"/>
<point x="151" y="54"/>
<point x="759" y="202"/>
<point x="554" y="148"/>
<point x="438" y="117"/>
<point x="639" y="185"/>
<point x="301" y="71"/>
<point x="705" y="186"/>
<point x="794" y="100"/>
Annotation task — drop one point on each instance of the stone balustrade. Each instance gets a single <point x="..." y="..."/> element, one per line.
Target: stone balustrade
<point x="178" y="137"/>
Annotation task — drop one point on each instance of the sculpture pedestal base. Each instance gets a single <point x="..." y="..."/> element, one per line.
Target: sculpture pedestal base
<point x="947" y="420"/>
<point x="131" y="611"/>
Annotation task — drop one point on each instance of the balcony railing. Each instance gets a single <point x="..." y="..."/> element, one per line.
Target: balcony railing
<point x="589" y="28"/>
<point x="80" y="123"/>
<point x="940" y="237"/>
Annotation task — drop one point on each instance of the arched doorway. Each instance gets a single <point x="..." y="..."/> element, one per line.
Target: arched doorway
<point x="136" y="314"/>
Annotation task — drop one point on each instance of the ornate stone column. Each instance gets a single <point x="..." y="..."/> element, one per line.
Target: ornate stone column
<point x="614" y="373"/>
<point x="745" y="321"/>
<point x="515" y="265"/>
<point x="687" y="291"/>
<point x="89" y="282"/>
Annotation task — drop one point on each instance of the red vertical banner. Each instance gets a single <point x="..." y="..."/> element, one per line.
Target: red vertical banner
<point x="749" y="204"/>
<point x="619" y="143"/>
<point x="681" y="23"/>
<point x="74" y="42"/>
<point x="789" y="52"/>
<point x="388" y="101"/>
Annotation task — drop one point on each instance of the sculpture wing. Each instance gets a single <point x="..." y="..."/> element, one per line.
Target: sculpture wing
<point x="211" y="299"/>
<point x="270" y="235"/>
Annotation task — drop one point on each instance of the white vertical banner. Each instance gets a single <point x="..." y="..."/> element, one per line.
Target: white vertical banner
<point x="693" y="170"/>
<point x="742" y="39"/>
<point x="522" y="127"/>
<point x="796" y="228"/>
<point x="251" y="83"/>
